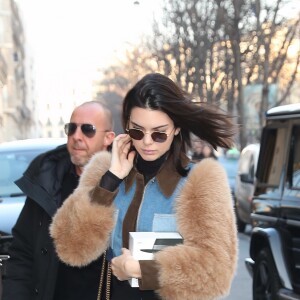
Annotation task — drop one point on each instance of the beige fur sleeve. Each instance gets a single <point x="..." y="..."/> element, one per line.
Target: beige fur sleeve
<point x="80" y="229"/>
<point x="204" y="266"/>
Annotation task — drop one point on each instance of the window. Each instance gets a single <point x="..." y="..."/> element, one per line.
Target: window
<point x="294" y="161"/>
<point x="13" y="164"/>
<point x="271" y="157"/>
<point x="278" y="157"/>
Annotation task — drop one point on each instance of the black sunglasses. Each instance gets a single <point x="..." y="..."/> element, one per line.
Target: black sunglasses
<point x="157" y="136"/>
<point x="88" y="130"/>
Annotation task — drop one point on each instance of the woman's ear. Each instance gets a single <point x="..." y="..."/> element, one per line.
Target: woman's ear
<point x="177" y="130"/>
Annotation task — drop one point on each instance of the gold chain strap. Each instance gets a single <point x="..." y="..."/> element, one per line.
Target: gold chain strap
<point x="101" y="277"/>
<point x="108" y="279"/>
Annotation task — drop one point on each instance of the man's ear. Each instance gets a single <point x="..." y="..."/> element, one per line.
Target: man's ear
<point x="109" y="138"/>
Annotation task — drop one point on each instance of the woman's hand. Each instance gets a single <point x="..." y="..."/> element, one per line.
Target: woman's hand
<point x="122" y="159"/>
<point x="125" y="266"/>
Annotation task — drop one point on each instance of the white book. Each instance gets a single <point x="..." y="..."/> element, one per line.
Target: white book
<point x="143" y="245"/>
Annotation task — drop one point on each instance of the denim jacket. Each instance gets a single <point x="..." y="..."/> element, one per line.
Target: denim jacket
<point x="156" y="206"/>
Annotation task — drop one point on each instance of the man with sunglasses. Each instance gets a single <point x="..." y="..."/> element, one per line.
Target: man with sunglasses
<point x="33" y="270"/>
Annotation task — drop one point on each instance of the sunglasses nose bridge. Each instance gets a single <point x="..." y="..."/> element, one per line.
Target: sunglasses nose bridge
<point x="147" y="138"/>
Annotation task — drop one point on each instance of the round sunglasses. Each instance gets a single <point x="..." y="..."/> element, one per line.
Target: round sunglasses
<point x="157" y="136"/>
<point x="88" y="130"/>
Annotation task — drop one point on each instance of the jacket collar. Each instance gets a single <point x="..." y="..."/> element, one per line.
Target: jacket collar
<point x="167" y="177"/>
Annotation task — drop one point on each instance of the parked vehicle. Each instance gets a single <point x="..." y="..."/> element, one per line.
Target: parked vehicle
<point x="244" y="185"/>
<point x="15" y="157"/>
<point x="275" y="240"/>
<point x="229" y="160"/>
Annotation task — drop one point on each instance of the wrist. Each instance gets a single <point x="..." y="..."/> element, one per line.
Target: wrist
<point x="116" y="173"/>
<point x="132" y="268"/>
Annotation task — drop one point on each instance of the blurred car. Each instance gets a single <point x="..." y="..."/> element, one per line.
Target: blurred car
<point x="244" y="185"/>
<point x="230" y="160"/>
<point x="15" y="157"/>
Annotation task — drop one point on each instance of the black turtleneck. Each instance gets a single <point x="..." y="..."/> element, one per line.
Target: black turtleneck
<point x="149" y="169"/>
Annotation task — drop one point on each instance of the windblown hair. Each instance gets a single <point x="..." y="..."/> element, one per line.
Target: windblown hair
<point x="208" y="122"/>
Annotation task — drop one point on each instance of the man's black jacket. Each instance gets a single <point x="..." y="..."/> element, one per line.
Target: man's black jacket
<point x="32" y="267"/>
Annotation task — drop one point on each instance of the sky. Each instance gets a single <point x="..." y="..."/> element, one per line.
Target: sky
<point x="69" y="39"/>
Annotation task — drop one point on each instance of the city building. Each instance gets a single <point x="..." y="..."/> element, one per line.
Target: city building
<point x="17" y="109"/>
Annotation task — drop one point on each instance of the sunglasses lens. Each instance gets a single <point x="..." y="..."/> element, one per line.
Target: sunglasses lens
<point x="136" y="134"/>
<point x="88" y="130"/>
<point x="70" y="129"/>
<point x="156" y="136"/>
<point x="159" y="137"/>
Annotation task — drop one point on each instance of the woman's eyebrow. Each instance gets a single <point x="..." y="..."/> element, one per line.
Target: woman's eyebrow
<point x="154" y="128"/>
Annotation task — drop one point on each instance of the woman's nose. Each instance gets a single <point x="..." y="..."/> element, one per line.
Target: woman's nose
<point x="147" y="139"/>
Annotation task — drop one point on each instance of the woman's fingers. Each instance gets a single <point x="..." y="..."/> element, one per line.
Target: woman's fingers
<point x="122" y="143"/>
<point x="131" y="156"/>
<point x="120" y="164"/>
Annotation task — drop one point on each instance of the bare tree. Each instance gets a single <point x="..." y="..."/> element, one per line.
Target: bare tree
<point x="215" y="48"/>
<point x="186" y="45"/>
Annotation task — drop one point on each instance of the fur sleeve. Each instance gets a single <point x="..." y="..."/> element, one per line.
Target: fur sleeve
<point x="80" y="229"/>
<point x="204" y="266"/>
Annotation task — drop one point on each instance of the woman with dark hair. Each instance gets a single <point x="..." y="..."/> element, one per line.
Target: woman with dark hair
<point x="149" y="184"/>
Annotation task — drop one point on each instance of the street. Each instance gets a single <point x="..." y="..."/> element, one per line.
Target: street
<point x="241" y="286"/>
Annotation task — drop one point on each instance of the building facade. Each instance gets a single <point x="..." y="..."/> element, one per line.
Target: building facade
<point x="17" y="111"/>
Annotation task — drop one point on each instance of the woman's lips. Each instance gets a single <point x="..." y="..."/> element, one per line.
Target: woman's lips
<point x="148" y="152"/>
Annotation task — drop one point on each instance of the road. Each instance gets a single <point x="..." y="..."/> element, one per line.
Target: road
<point x="241" y="286"/>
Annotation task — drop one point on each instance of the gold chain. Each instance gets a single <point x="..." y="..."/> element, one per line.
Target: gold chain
<point x="108" y="279"/>
<point x="101" y="276"/>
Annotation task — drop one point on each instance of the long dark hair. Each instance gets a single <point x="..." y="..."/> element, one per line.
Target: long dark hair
<point x="210" y="123"/>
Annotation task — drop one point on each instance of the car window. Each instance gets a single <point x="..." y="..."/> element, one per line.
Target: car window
<point x="13" y="165"/>
<point x="271" y="156"/>
<point x="294" y="162"/>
